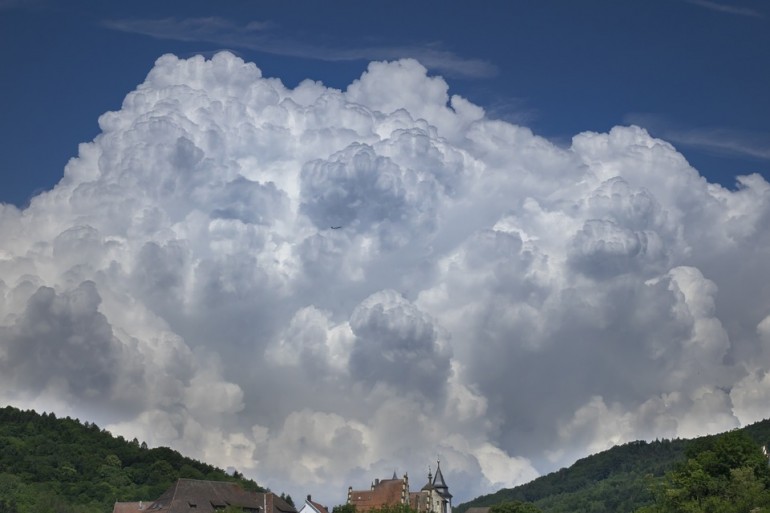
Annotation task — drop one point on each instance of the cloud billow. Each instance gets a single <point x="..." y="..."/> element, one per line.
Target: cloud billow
<point x="309" y="284"/>
<point x="62" y="340"/>
<point x="397" y="344"/>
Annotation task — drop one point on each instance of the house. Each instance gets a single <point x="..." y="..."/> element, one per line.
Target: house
<point x="198" y="496"/>
<point x="312" y="507"/>
<point x="434" y="497"/>
<point x="130" y="507"/>
<point x="383" y="492"/>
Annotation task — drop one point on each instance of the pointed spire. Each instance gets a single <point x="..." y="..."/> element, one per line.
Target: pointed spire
<point x="429" y="484"/>
<point x="394" y="475"/>
<point x="438" y="481"/>
<point x="439" y="484"/>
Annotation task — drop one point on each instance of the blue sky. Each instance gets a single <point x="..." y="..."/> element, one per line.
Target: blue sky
<point x="691" y="72"/>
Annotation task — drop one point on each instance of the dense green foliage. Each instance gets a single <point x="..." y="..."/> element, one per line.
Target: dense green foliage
<point x="62" y="466"/>
<point x="393" y="508"/>
<point x="636" y="475"/>
<point x="611" y="481"/>
<point x="344" y="508"/>
<point x="514" y="507"/>
<point x="723" y="474"/>
<point x="387" y="508"/>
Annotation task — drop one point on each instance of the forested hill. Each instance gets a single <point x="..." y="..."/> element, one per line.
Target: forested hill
<point x="60" y="465"/>
<point x="622" y="478"/>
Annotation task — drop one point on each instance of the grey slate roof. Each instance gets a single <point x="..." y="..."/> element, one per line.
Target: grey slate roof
<point x="439" y="484"/>
<point x="197" y="496"/>
<point x="192" y="495"/>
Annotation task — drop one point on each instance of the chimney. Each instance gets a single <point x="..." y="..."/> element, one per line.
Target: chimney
<point x="308" y="497"/>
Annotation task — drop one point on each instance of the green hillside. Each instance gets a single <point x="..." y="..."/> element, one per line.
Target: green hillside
<point x="624" y="478"/>
<point x="60" y="465"/>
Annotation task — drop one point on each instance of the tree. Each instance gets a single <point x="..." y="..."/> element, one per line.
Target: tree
<point x="344" y="508"/>
<point x="747" y="491"/>
<point x="722" y="474"/>
<point x="393" y="508"/>
<point x="64" y="466"/>
<point x="514" y="507"/>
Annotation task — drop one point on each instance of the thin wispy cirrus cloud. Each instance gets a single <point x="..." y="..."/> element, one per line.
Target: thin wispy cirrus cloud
<point x="717" y="140"/>
<point x="267" y="37"/>
<point x="727" y="8"/>
<point x="485" y="295"/>
<point x="722" y="140"/>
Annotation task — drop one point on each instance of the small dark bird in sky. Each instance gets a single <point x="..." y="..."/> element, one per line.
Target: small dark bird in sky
<point x="335" y="227"/>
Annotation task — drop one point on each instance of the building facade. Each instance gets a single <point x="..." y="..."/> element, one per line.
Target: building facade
<point x="433" y="497"/>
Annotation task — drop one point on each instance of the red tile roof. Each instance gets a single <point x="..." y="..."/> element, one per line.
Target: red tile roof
<point x="319" y="507"/>
<point x="385" y="492"/>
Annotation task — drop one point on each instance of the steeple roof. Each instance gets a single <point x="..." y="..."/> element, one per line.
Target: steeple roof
<point x="439" y="484"/>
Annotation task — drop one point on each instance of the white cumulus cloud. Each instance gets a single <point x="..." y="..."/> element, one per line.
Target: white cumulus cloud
<point x="314" y="285"/>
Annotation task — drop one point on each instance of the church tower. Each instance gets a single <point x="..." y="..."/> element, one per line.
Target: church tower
<point x="434" y="497"/>
<point x="442" y="490"/>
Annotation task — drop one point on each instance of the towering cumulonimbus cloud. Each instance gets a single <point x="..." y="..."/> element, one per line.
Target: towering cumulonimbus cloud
<point x="312" y="285"/>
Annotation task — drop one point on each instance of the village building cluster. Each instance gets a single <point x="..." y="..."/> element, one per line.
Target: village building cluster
<point x="433" y="497"/>
<point x="199" y="496"/>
